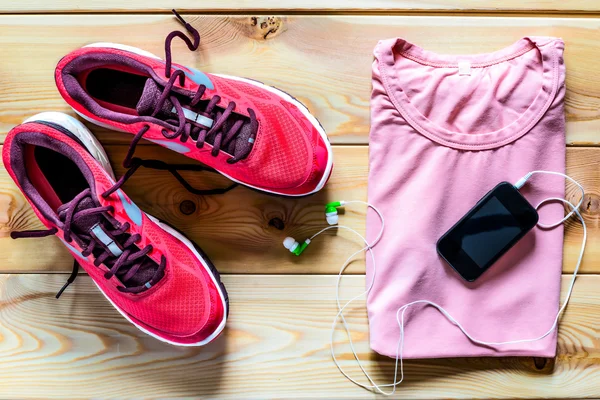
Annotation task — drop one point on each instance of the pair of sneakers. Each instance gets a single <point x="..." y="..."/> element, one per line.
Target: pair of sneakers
<point x="151" y="273"/>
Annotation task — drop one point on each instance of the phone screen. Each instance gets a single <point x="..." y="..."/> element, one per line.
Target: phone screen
<point x="488" y="231"/>
<point x="499" y="220"/>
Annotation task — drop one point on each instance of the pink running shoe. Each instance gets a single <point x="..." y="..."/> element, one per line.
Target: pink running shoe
<point x="252" y="133"/>
<point x="153" y="275"/>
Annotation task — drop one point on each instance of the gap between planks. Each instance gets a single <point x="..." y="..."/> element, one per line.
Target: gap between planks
<point x="325" y="12"/>
<point x="275" y="342"/>
<point x="276" y="51"/>
<point x="257" y="228"/>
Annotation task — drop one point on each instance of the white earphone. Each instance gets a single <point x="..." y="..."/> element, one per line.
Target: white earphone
<point x="331" y="215"/>
<point x="294" y="247"/>
<point x="332" y="218"/>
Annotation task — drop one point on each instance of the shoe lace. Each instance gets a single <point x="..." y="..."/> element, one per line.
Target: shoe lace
<point x="185" y="128"/>
<point x="127" y="264"/>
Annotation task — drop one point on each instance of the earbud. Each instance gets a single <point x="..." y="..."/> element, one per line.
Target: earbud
<point x="294" y="247"/>
<point x="331" y="212"/>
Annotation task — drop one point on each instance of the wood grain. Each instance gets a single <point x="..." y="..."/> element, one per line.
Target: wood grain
<point x="276" y="341"/>
<point x="274" y="346"/>
<point x="325" y="61"/>
<point x="255" y="224"/>
<point x="336" y="6"/>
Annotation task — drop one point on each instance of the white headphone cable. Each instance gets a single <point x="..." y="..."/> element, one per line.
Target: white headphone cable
<point x="401" y="311"/>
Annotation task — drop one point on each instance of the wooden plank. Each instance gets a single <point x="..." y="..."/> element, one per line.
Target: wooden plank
<point x="255" y="224"/>
<point x="276" y="345"/>
<point x="336" y="6"/>
<point x="325" y="61"/>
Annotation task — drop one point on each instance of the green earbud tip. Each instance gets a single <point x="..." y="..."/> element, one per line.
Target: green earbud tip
<point x="300" y="248"/>
<point x="331" y="207"/>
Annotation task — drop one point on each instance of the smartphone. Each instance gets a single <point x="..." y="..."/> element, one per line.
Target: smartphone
<point x="495" y="224"/>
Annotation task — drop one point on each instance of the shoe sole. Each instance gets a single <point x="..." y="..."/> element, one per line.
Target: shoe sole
<point x="285" y="96"/>
<point x="95" y="148"/>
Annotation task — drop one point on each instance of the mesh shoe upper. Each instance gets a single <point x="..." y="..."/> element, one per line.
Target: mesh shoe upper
<point x="182" y="303"/>
<point x="287" y="154"/>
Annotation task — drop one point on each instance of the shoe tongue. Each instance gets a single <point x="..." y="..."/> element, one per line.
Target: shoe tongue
<point x="240" y="144"/>
<point x="83" y="226"/>
<point x="149" y="99"/>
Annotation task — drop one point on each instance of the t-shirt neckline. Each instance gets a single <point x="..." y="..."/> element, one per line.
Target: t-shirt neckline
<point x="480" y="141"/>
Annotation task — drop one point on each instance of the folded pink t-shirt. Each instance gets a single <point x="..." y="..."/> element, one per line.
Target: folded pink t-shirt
<point x="445" y="130"/>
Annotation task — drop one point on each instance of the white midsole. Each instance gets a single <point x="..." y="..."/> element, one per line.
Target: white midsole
<point x="98" y="123"/>
<point x="271" y="89"/>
